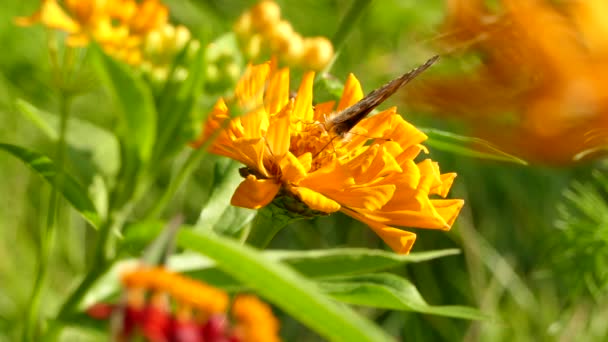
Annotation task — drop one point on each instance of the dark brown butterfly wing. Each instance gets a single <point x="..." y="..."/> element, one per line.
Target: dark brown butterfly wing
<point x="343" y="121"/>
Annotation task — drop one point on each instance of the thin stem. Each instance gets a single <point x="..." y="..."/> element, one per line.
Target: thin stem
<point x="348" y="23"/>
<point x="183" y="174"/>
<point x="102" y="259"/>
<point x="47" y="234"/>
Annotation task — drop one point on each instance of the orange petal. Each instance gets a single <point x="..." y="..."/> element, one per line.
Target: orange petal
<point x="279" y="134"/>
<point x="367" y="197"/>
<point x="250" y="88"/>
<point x="303" y="105"/>
<point x="315" y="200"/>
<point x="400" y="241"/>
<point x="292" y="171"/>
<point x="351" y="94"/>
<point x="276" y="95"/>
<point x="52" y="15"/>
<point x="255" y="193"/>
<point x="446" y="183"/>
<point x="323" y="109"/>
<point x="448" y="209"/>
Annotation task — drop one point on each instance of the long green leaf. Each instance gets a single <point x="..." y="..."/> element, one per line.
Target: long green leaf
<point x="134" y="100"/>
<point x="389" y="291"/>
<point x="284" y="287"/>
<point x="348" y="261"/>
<point x="312" y="264"/>
<point x="71" y="190"/>
<point x="468" y="146"/>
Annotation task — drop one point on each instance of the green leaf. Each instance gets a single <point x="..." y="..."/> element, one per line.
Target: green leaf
<point x="389" y="291"/>
<point x="348" y="261"/>
<point x="467" y="146"/>
<point x="218" y="214"/>
<point x="71" y="190"/>
<point x="135" y="102"/>
<point x="82" y="135"/>
<point x="284" y="287"/>
<point x="312" y="264"/>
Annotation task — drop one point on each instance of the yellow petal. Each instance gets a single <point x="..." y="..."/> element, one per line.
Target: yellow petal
<point x="306" y="160"/>
<point x="315" y="200"/>
<point x="250" y="88"/>
<point x="279" y="134"/>
<point x="277" y="94"/>
<point x="255" y="123"/>
<point x="351" y="94"/>
<point x="328" y="178"/>
<point x="52" y="15"/>
<point x="443" y="188"/>
<point x="400" y="241"/>
<point x="322" y="110"/>
<point x="292" y="171"/>
<point x="302" y="110"/>
<point x="255" y="193"/>
<point x="448" y="209"/>
<point x="368" y="197"/>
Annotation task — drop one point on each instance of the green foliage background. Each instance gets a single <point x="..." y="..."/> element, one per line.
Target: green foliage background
<point x="531" y="259"/>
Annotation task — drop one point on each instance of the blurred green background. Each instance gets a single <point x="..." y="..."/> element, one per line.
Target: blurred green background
<point x="533" y="248"/>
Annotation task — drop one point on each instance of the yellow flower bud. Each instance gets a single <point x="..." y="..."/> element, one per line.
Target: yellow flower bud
<point x="233" y="71"/>
<point x="146" y="67"/>
<point x="159" y="74"/>
<point x="193" y="48"/>
<point x="242" y="27"/>
<point x="264" y="14"/>
<point x="212" y="73"/>
<point x="182" y="36"/>
<point x="294" y="50"/>
<point x="180" y="74"/>
<point x="253" y="46"/>
<point x="168" y="32"/>
<point x="318" y="51"/>
<point x="153" y="43"/>
<point x="279" y="35"/>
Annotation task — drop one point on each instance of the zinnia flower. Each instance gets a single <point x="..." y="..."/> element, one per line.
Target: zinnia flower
<point x="199" y="312"/>
<point x="370" y="174"/>
<point x="540" y="88"/>
<point x="118" y="25"/>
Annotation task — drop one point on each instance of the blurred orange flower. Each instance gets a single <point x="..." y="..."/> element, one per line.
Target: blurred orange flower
<point x="118" y="25"/>
<point x="540" y="90"/>
<point x="287" y="148"/>
<point x="197" y="314"/>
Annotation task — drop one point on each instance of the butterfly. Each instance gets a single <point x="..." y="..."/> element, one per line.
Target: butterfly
<point x="343" y="121"/>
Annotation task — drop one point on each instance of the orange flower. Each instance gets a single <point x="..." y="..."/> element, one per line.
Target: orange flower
<point x="198" y="312"/>
<point x="540" y="89"/>
<point x="286" y="147"/>
<point x="255" y="320"/>
<point x="118" y="25"/>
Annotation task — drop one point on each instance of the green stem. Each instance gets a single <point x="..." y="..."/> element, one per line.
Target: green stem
<point x="268" y="221"/>
<point x="183" y="174"/>
<point x="47" y="235"/>
<point x="348" y="23"/>
<point x="102" y="259"/>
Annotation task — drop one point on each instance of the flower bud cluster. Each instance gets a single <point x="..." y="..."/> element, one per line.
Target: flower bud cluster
<point x="223" y="69"/>
<point x="261" y="30"/>
<point x="162" y="46"/>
